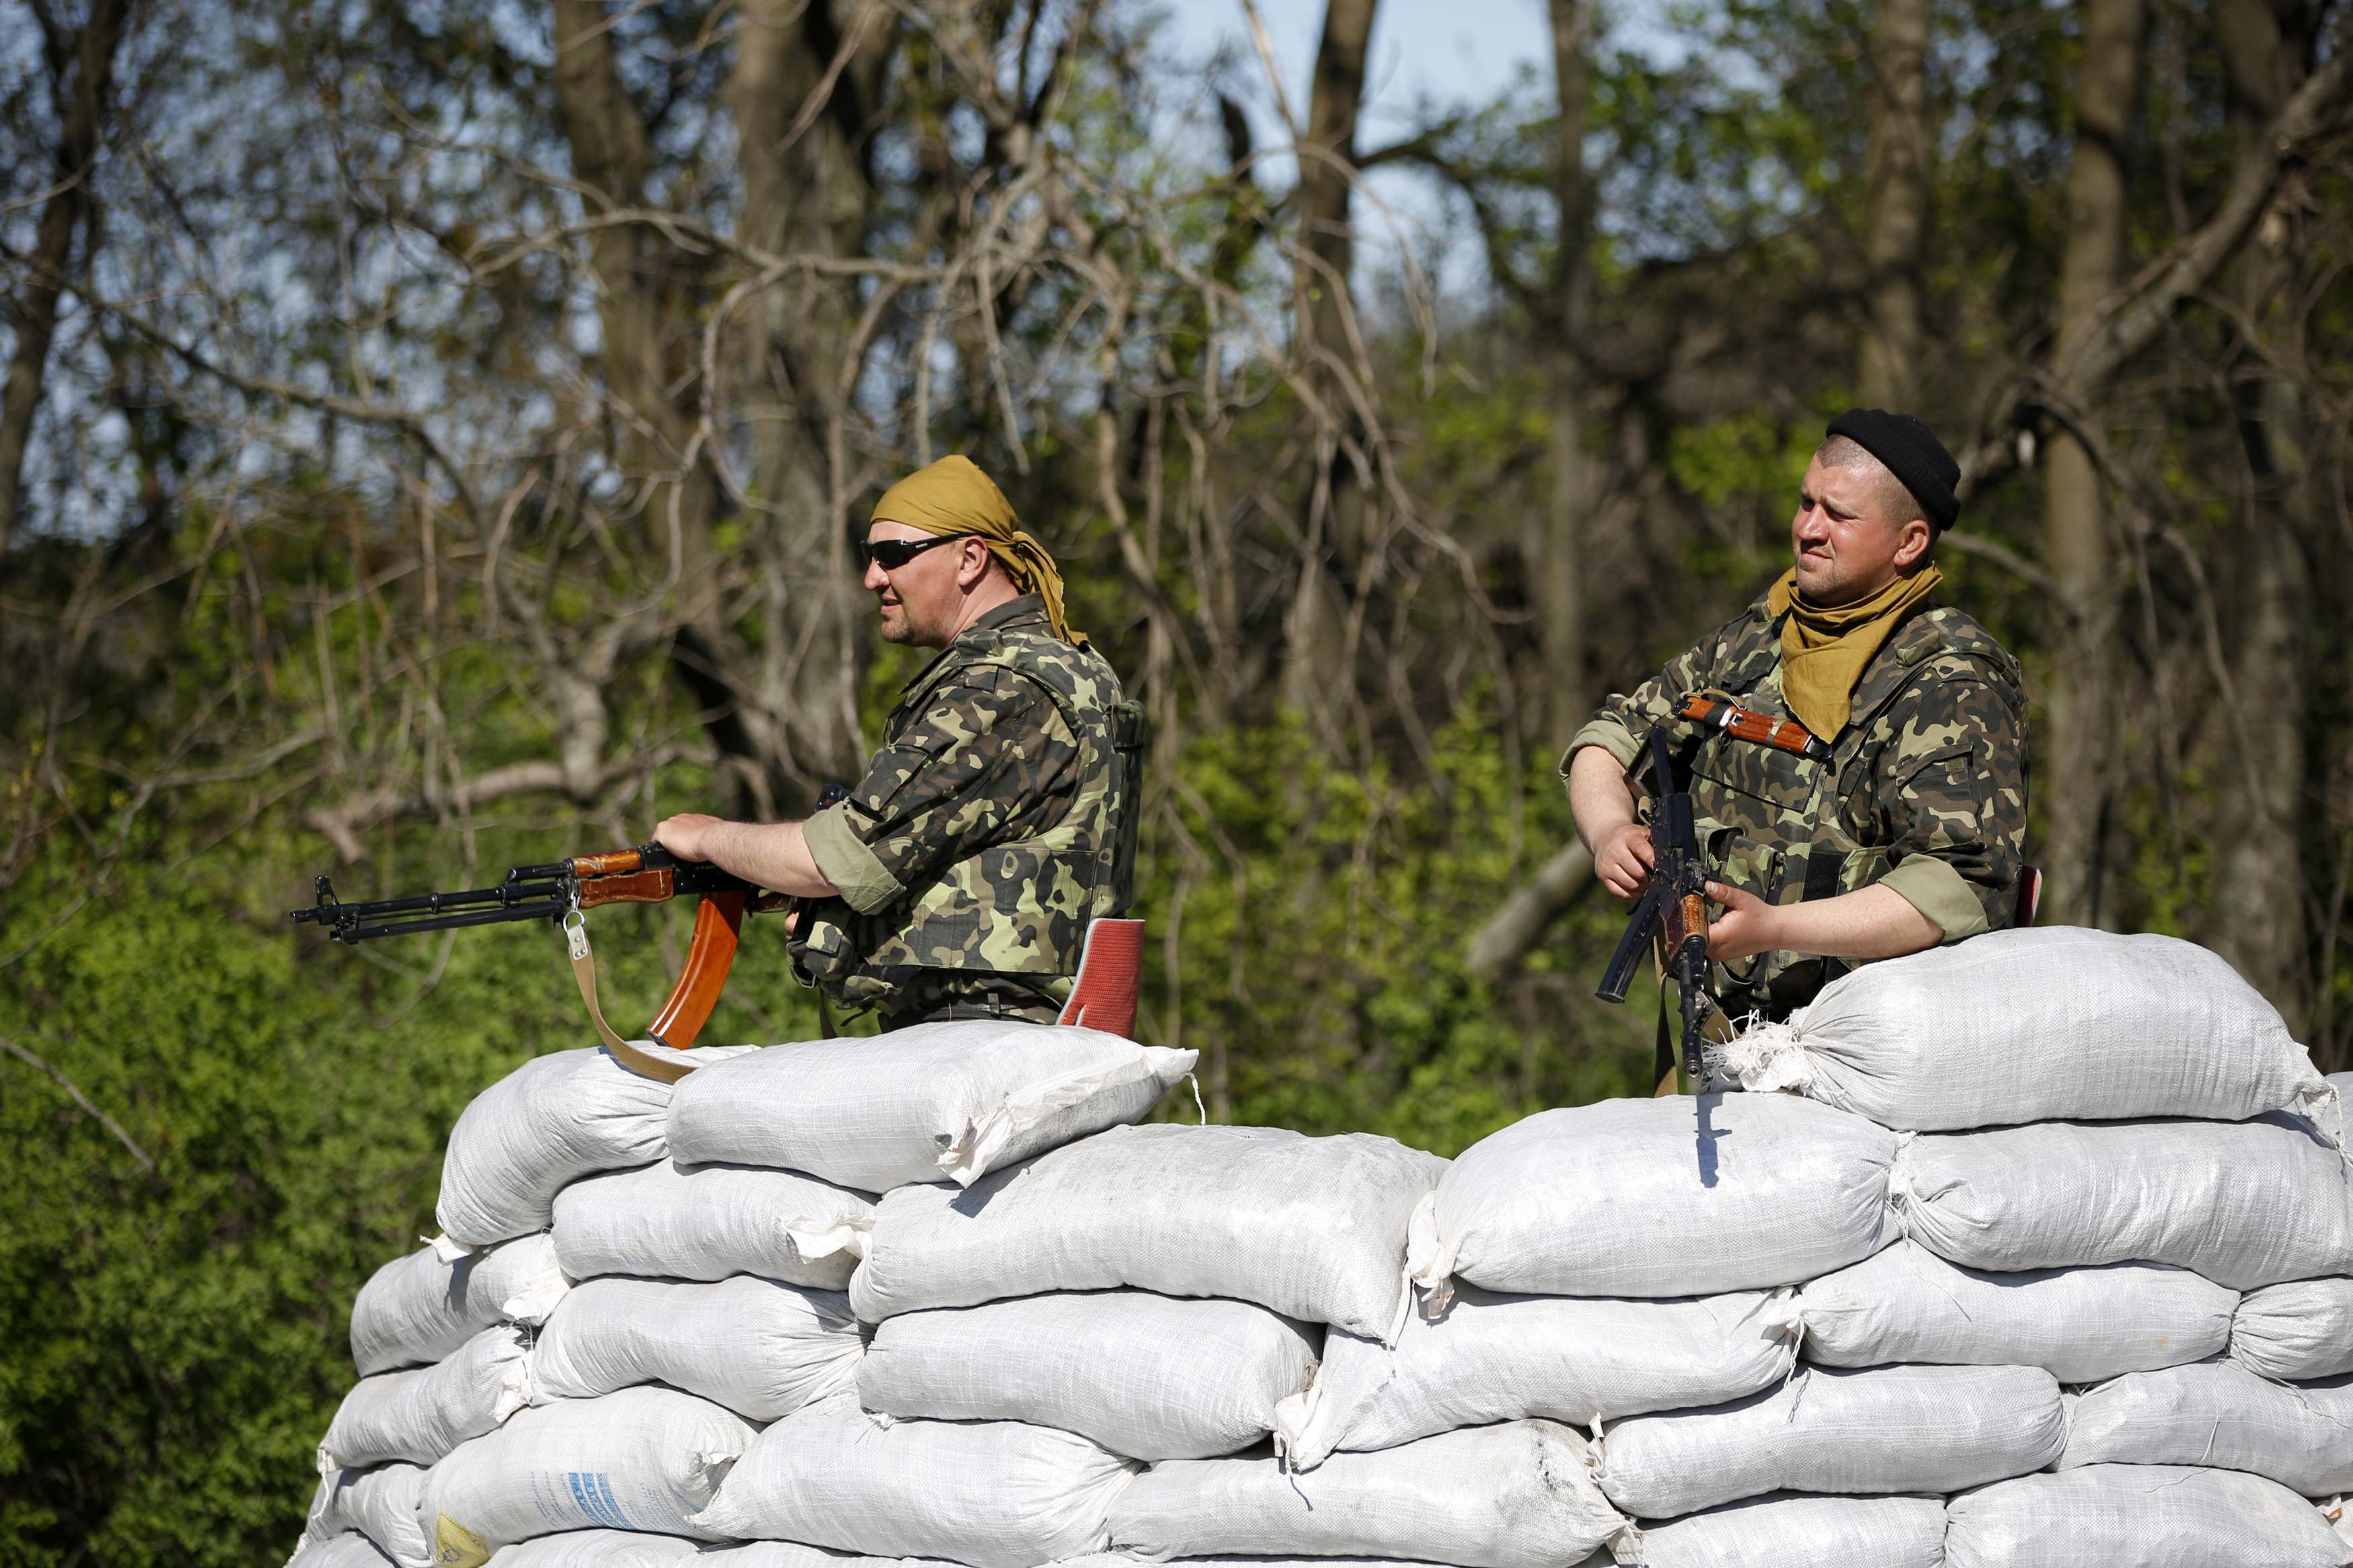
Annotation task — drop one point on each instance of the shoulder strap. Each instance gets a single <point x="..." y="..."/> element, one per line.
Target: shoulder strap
<point x="1131" y="736"/>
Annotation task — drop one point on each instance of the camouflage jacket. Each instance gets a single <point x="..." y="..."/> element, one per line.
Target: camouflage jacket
<point x="1925" y="789"/>
<point x="971" y="857"/>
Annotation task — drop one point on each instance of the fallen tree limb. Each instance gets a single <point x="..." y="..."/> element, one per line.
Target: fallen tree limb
<point x="1515" y="929"/>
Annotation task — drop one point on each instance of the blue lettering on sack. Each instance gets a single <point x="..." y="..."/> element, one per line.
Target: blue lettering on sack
<point x="592" y="1493"/>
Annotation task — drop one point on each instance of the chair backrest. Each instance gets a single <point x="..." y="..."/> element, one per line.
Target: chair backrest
<point x="1110" y="978"/>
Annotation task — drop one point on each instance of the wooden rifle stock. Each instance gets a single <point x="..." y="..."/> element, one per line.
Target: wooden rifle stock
<point x="1747" y="724"/>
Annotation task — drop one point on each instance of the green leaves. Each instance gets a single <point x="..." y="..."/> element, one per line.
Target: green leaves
<point x="1322" y="917"/>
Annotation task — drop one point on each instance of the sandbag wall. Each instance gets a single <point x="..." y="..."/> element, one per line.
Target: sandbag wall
<point x="2035" y="1250"/>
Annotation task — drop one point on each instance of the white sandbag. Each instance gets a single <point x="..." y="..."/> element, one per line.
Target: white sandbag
<point x="948" y="1101"/>
<point x="552" y="1120"/>
<point x="995" y="1494"/>
<point x="597" y="1549"/>
<point x="421" y="1415"/>
<point x="2139" y="1516"/>
<point x="379" y="1503"/>
<point x="1654" y="1198"/>
<point x="1500" y="1358"/>
<point x="2303" y="1329"/>
<point x="793" y="1554"/>
<point x="2217" y="1413"/>
<point x="2082" y="1325"/>
<point x="1122" y="1560"/>
<point x="759" y="1348"/>
<point x="670" y="1221"/>
<point x="2245" y="1204"/>
<point x="1313" y="1228"/>
<point x="1512" y="1496"/>
<point x="1151" y="1377"/>
<point x="1889" y="1429"/>
<point x="1782" y="1529"/>
<point x="644" y="1458"/>
<point x="349" y="1550"/>
<point x="417" y="1308"/>
<point x="2037" y="1023"/>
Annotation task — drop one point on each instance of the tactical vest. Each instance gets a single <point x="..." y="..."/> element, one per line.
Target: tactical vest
<point x="1788" y="828"/>
<point x="1021" y="907"/>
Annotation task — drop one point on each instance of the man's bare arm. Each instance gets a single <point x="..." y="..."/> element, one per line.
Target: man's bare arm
<point x="1870" y="922"/>
<point x="1603" y="805"/>
<point x="771" y="855"/>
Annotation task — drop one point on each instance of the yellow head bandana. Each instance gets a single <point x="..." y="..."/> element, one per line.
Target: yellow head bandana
<point x="953" y="496"/>
<point x="1825" y="651"/>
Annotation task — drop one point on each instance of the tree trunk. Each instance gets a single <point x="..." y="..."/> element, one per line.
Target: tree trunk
<point x="1902" y="140"/>
<point x="1326" y="174"/>
<point x="82" y="111"/>
<point x="2081" y="756"/>
<point x="1316" y="681"/>
<point x="802" y="191"/>
<point x="1553" y="538"/>
<point x="2258" y="915"/>
<point x="641" y="301"/>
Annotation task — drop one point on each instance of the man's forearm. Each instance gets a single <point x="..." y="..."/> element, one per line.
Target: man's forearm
<point x="773" y="855"/>
<point x="1599" y="797"/>
<point x="1871" y="922"/>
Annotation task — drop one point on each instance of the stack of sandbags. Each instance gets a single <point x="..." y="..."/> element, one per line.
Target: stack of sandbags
<point x="444" y="1338"/>
<point x="1083" y="1341"/>
<point x="2038" y="1250"/>
<point x="614" y="1313"/>
<point x="441" y="1338"/>
<point x="1631" y="1266"/>
<point x="2037" y="1160"/>
<point x="2120" y="1173"/>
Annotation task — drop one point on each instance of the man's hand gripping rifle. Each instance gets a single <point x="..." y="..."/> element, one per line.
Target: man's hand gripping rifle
<point x="558" y="892"/>
<point x="1671" y="912"/>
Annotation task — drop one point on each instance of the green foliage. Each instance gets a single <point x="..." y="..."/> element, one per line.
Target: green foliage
<point x="1331" y="910"/>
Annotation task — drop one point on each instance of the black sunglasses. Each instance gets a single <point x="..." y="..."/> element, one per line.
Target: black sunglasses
<point x="892" y="553"/>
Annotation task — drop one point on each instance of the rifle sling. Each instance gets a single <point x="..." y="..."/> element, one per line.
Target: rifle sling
<point x="583" y="970"/>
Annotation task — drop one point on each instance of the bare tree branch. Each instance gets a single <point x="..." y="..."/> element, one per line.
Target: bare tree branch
<point x="103" y="1120"/>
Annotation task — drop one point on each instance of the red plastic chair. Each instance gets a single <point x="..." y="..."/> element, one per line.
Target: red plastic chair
<point x="1110" y="978"/>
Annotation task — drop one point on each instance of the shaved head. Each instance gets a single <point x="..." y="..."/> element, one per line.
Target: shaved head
<point x="1895" y="504"/>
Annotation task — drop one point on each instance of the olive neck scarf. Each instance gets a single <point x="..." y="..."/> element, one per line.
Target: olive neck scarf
<point x="1825" y="651"/>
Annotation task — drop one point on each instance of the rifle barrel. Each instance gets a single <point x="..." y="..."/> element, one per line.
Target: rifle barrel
<point x="504" y="894"/>
<point x="549" y="908"/>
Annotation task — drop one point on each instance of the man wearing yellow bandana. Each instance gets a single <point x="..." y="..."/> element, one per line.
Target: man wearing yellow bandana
<point x="1900" y="827"/>
<point x="958" y="876"/>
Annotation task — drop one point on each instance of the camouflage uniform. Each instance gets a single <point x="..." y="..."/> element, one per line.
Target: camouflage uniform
<point x="980" y="843"/>
<point x="1926" y="790"/>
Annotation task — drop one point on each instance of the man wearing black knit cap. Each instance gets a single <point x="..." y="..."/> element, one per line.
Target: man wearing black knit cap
<point x="1901" y="828"/>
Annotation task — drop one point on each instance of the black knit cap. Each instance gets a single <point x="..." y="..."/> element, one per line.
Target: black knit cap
<point x="1912" y="453"/>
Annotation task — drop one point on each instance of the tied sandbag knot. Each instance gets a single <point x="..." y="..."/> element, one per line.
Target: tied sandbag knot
<point x="1764" y="1057"/>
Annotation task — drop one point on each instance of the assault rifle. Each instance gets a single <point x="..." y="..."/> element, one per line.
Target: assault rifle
<point x="1672" y="911"/>
<point x="559" y="892"/>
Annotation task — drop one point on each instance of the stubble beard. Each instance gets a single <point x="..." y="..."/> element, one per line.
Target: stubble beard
<point x="1818" y="578"/>
<point x="900" y="628"/>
